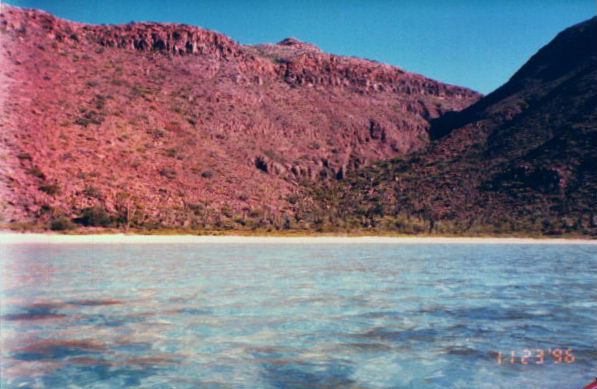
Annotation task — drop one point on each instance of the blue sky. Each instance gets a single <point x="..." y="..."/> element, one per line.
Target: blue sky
<point x="474" y="43"/>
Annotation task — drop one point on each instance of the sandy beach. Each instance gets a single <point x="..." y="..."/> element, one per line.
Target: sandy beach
<point x="49" y="238"/>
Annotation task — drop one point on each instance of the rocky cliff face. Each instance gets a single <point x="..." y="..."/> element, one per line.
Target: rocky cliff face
<point x="179" y="123"/>
<point x="173" y="39"/>
<point x="298" y="63"/>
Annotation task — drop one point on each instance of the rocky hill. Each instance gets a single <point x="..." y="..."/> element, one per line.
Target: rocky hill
<point x="167" y="125"/>
<point x="151" y="125"/>
<point x="520" y="160"/>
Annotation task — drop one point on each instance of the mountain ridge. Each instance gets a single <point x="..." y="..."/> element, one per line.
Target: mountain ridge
<point x="167" y="126"/>
<point x="216" y="125"/>
<point x="182" y="39"/>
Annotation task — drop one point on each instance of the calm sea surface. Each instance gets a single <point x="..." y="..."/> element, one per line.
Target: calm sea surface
<point x="298" y="316"/>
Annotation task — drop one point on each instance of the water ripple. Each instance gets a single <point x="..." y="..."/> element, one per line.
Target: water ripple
<point x="294" y="316"/>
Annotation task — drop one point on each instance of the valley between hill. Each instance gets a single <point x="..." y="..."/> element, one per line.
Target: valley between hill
<point x="167" y="127"/>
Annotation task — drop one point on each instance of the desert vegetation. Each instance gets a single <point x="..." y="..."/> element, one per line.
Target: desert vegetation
<point x="108" y="131"/>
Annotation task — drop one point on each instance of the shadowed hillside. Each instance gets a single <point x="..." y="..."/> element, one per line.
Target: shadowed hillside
<point x="522" y="159"/>
<point x="155" y="126"/>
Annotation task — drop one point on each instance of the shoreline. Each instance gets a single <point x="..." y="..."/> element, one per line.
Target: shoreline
<point x="7" y="238"/>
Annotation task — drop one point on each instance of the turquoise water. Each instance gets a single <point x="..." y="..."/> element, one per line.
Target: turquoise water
<point x="297" y="316"/>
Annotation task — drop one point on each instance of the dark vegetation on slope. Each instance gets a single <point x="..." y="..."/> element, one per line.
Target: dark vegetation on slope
<point x="521" y="160"/>
<point x="163" y="126"/>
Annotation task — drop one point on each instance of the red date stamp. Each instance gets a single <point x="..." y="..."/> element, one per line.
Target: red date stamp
<point x="537" y="357"/>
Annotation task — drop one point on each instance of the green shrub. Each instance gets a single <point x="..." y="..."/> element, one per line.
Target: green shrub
<point x="257" y="213"/>
<point x="36" y="172"/>
<point x="156" y="133"/>
<point x="24" y="156"/>
<point x="197" y="209"/>
<point x="62" y="224"/>
<point x="168" y="173"/>
<point x="92" y="191"/>
<point x="226" y="211"/>
<point x="50" y="188"/>
<point x="293" y="198"/>
<point x="94" y="217"/>
<point x="89" y="117"/>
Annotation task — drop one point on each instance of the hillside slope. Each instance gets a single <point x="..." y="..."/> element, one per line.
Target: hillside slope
<point x="151" y="124"/>
<point x="520" y="160"/>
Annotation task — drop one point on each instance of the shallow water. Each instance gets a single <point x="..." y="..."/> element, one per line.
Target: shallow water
<point x="297" y="316"/>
